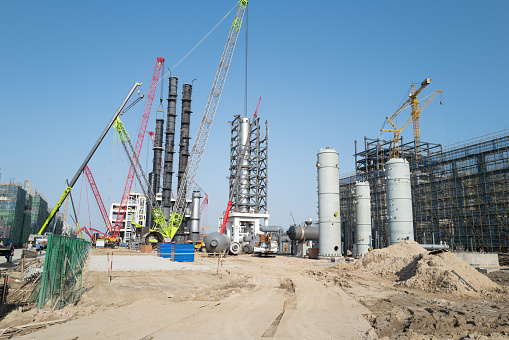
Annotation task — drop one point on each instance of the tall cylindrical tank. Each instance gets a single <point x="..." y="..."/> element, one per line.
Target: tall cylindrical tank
<point x="155" y="175"/>
<point x="399" y="200"/>
<point x="244" y="142"/>
<point x="195" y="216"/>
<point x="217" y="242"/>
<point x="169" y="147"/>
<point x="362" y="217"/>
<point x="329" y="240"/>
<point x="185" y="121"/>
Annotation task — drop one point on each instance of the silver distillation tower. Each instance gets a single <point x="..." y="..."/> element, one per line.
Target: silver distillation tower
<point x="249" y="201"/>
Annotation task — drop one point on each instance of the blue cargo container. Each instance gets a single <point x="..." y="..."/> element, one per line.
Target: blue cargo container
<point x="182" y="253"/>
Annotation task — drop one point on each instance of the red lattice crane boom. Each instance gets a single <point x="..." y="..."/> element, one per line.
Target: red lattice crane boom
<point x="139" y="143"/>
<point x="99" y="200"/>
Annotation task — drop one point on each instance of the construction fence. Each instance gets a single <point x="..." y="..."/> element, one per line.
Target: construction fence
<point x="61" y="280"/>
<point x="460" y="195"/>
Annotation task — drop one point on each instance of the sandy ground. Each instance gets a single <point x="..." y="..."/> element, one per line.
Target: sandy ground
<point x="276" y="297"/>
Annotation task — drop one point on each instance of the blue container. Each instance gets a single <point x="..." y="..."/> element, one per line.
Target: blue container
<point x="184" y="253"/>
<point x="164" y="250"/>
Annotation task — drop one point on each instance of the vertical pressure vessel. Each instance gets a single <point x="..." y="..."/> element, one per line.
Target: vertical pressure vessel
<point x="195" y="216"/>
<point x="362" y="217"/>
<point x="399" y="200"/>
<point x="329" y="240"/>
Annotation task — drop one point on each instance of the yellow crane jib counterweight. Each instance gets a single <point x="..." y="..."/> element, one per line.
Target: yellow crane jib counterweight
<point x="416" y="110"/>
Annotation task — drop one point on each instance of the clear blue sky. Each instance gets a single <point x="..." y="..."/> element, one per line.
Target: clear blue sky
<point x="328" y="73"/>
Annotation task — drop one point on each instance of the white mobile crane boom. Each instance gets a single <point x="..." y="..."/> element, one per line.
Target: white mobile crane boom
<point x="186" y="185"/>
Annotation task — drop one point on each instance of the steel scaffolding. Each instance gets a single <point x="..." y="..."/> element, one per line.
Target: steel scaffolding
<point x="460" y="193"/>
<point x="255" y="164"/>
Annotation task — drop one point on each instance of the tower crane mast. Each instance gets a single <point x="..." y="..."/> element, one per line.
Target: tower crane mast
<point x="413" y="102"/>
<point x="186" y="185"/>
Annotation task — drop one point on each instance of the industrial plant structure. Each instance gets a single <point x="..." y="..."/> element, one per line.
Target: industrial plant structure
<point x="248" y="165"/>
<point x="460" y="193"/>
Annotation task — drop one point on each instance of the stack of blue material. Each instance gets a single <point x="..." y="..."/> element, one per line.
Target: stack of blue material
<point x="181" y="253"/>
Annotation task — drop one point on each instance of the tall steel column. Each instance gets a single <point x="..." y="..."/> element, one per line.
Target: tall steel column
<point x="184" y="130"/>
<point x="251" y="192"/>
<point x="399" y="200"/>
<point x="328" y="203"/>
<point x="362" y="217"/>
<point x="185" y="122"/>
<point x="194" y="227"/>
<point x="155" y="175"/>
<point x="169" y="147"/>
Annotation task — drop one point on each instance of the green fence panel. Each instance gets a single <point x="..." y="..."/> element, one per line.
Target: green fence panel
<point x="61" y="281"/>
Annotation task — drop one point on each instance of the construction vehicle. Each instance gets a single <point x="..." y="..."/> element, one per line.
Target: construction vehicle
<point x="160" y="231"/>
<point x="90" y="154"/>
<point x="267" y="246"/>
<point x="137" y="150"/>
<point x="415" y="115"/>
<point x="186" y="185"/>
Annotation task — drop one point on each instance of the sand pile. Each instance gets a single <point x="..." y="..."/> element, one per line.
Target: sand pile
<point x="435" y="273"/>
<point x="389" y="260"/>
<point x="414" y="267"/>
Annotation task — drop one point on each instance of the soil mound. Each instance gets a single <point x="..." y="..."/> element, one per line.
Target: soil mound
<point x="415" y="268"/>
<point x="389" y="260"/>
<point x="441" y="272"/>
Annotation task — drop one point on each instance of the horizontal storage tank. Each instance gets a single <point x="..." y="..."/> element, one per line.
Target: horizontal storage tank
<point x="217" y="242"/>
<point x="362" y="217"/>
<point x="303" y="233"/>
<point x="399" y="200"/>
<point x="328" y="203"/>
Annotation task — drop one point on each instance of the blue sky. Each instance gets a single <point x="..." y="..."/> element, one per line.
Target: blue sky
<point x="328" y="73"/>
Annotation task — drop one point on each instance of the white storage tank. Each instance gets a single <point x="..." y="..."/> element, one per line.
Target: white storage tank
<point x="362" y="217"/>
<point x="329" y="240"/>
<point x="399" y="200"/>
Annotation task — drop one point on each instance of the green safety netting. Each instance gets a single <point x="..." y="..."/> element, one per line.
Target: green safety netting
<point x="61" y="280"/>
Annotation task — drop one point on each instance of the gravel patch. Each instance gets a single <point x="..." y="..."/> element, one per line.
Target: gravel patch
<point x="128" y="263"/>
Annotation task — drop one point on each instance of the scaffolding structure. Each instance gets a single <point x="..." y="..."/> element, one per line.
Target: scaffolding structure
<point x="251" y="194"/>
<point x="460" y="194"/>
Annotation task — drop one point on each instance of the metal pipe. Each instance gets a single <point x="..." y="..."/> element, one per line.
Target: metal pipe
<point x="434" y="246"/>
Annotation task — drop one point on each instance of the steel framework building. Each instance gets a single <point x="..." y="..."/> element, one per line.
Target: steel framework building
<point x="460" y="193"/>
<point x="251" y="193"/>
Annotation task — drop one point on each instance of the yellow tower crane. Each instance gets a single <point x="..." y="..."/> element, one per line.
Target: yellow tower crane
<point x="413" y="102"/>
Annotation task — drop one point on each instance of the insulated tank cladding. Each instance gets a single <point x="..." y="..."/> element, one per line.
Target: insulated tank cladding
<point x="362" y="217"/>
<point x="245" y="142"/>
<point x="329" y="240"/>
<point x="399" y="200"/>
<point x="195" y="216"/>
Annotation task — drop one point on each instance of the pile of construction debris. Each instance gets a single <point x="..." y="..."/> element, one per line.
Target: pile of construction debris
<point x="414" y="267"/>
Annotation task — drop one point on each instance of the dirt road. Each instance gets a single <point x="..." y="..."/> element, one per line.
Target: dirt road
<point x="255" y="298"/>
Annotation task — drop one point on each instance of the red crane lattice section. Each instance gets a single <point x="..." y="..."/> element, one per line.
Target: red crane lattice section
<point x="98" y="198"/>
<point x="137" y="149"/>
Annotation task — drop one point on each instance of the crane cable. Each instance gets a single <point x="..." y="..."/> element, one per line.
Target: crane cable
<point x="205" y="37"/>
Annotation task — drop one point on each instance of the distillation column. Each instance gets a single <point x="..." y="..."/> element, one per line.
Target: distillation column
<point x="362" y="217"/>
<point x="169" y="148"/>
<point x="185" y="121"/>
<point x="244" y="142"/>
<point x="155" y="175"/>
<point x="184" y="131"/>
<point x="194" y="227"/>
<point x="328" y="203"/>
<point x="399" y="200"/>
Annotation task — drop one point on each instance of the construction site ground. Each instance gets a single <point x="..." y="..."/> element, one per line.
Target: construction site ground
<point x="275" y="297"/>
